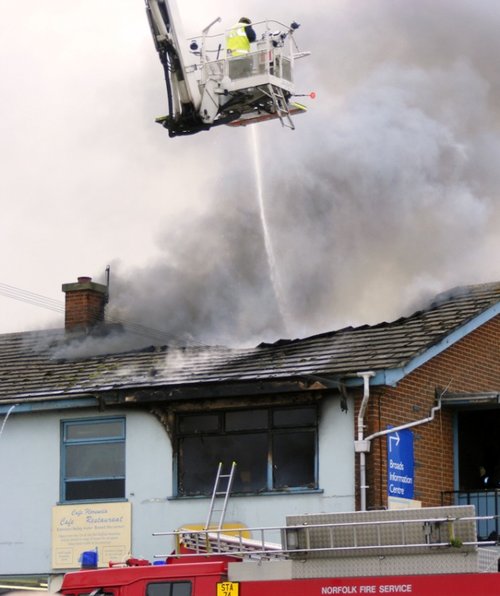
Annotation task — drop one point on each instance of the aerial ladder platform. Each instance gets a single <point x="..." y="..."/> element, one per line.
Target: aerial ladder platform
<point x="207" y="87"/>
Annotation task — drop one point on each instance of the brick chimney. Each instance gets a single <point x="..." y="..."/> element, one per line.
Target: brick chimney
<point x="85" y="301"/>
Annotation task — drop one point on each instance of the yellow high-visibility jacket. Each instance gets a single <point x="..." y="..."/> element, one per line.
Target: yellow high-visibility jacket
<point x="237" y="43"/>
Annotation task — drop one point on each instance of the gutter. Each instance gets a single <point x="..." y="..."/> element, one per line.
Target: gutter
<point x="47" y="403"/>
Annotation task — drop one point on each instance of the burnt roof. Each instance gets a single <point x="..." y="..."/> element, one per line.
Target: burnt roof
<point x="31" y="366"/>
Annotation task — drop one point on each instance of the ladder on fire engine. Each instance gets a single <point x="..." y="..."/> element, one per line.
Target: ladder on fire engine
<point x="222" y="490"/>
<point x="409" y="532"/>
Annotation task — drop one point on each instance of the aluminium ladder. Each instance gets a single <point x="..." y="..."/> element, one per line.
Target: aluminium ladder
<point x="222" y="488"/>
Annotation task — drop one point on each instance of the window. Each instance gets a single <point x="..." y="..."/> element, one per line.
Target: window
<point x="93" y="459"/>
<point x="274" y="448"/>
<point x="169" y="589"/>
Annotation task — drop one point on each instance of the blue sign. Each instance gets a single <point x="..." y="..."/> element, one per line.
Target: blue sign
<point x="400" y="464"/>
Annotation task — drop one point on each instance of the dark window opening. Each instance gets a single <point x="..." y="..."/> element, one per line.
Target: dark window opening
<point x="479" y="449"/>
<point x="247" y="420"/>
<point x="294" y="417"/>
<point x="94" y="489"/>
<point x="93" y="459"/>
<point x="292" y="456"/>
<point x="169" y="589"/>
<point x="199" y="423"/>
<point x="275" y="449"/>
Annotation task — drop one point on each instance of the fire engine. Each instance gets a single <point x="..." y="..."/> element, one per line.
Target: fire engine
<point x="207" y="87"/>
<point x="423" y="552"/>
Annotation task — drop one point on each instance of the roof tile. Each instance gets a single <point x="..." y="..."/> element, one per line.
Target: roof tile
<point x="28" y="367"/>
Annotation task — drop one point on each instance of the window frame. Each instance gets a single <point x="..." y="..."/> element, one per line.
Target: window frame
<point x="271" y="430"/>
<point x="66" y="442"/>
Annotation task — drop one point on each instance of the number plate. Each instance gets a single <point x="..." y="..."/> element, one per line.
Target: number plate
<point x="228" y="589"/>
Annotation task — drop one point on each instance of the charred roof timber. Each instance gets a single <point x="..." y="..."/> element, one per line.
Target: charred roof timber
<point x="324" y="383"/>
<point x="84" y="307"/>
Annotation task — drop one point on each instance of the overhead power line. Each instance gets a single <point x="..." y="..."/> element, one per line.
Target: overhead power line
<point x="31" y="298"/>
<point x="58" y="306"/>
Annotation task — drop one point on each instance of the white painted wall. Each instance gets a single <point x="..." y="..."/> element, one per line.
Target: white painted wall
<point x="29" y="485"/>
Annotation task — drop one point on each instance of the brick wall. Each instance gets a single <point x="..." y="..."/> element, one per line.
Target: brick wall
<point x="83" y="309"/>
<point x="470" y="365"/>
<point x="85" y="301"/>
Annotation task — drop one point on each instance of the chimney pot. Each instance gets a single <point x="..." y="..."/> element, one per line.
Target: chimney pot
<point x="84" y="279"/>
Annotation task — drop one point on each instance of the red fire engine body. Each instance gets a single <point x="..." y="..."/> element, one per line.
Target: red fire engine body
<point x="431" y="552"/>
<point x="211" y="579"/>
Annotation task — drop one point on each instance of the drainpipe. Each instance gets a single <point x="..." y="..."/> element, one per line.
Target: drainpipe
<point x="395" y="429"/>
<point x="362" y="446"/>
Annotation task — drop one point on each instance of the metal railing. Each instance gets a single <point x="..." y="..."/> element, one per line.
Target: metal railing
<point x="487" y="505"/>
<point x="382" y="536"/>
<point x="272" y="54"/>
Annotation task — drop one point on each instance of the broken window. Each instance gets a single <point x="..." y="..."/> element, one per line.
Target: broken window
<point x="274" y="449"/>
<point x="93" y="459"/>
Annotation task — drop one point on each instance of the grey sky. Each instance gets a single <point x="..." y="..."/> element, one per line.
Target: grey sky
<point x="386" y="192"/>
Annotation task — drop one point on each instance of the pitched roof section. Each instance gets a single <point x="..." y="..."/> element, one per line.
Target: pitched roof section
<point x="29" y="369"/>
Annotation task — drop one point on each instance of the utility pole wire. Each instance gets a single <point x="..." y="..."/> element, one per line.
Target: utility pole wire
<point x="58" y="306"/>
<point x="31" y="298"/>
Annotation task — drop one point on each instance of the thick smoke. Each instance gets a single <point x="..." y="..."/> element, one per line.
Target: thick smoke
<point x="386" y="193"/>
<point x="210" y="285"/>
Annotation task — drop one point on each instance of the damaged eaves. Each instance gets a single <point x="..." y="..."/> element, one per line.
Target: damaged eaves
<point x="225" y="391"/>
<point x="30" y="374"/>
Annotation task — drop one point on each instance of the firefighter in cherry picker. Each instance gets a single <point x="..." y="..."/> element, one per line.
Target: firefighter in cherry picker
<point x="239" y="38"/>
